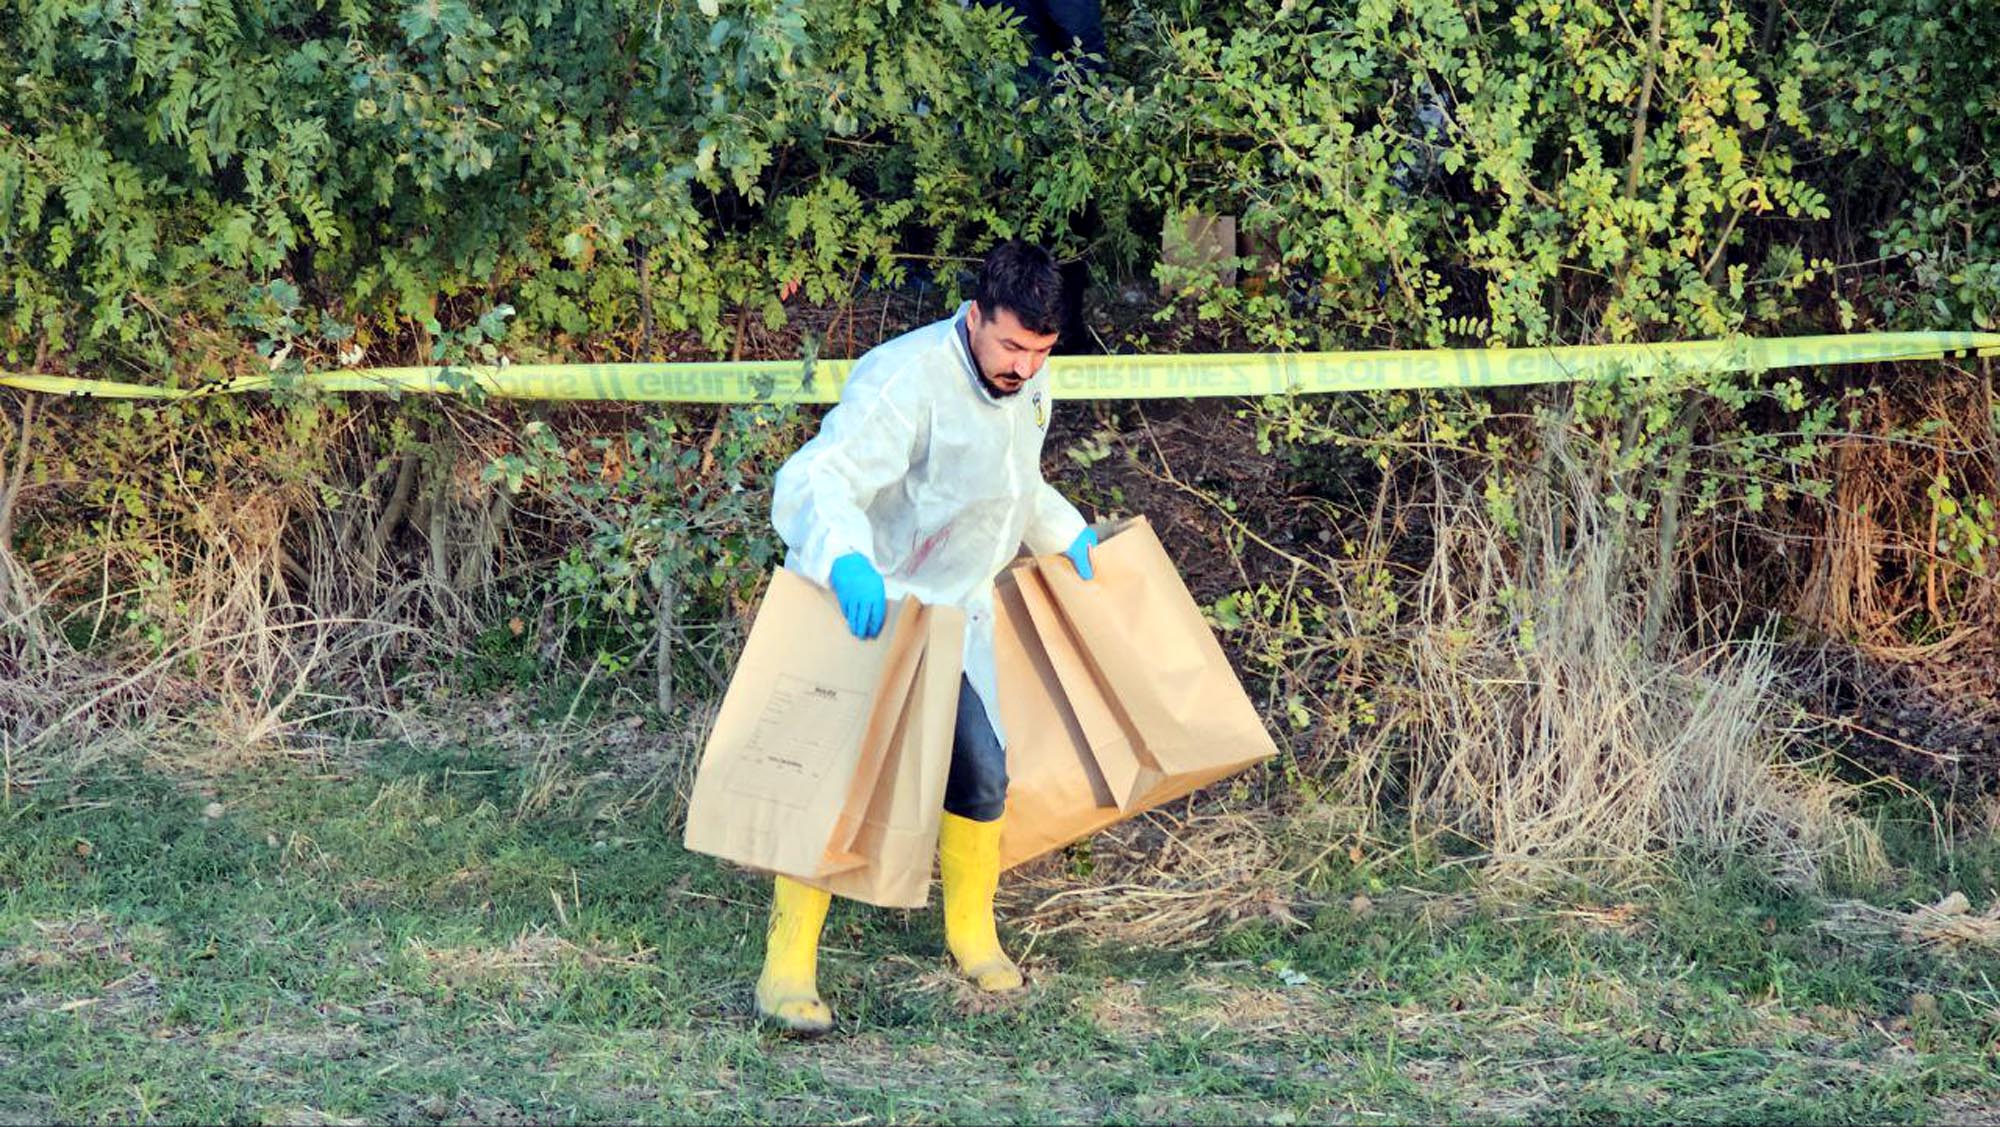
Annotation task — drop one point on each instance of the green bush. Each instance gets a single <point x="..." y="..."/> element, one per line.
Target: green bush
<point x="611" y="169"/>
<point x="1426" y="171"/>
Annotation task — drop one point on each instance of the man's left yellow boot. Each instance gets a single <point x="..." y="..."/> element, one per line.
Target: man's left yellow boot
<point x="969" y="862"/>
<point x="788" y="990"/>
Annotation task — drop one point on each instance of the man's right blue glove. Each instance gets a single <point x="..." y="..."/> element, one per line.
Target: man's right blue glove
<point x="1079" y="551"/>
<point x="858" y="586"/>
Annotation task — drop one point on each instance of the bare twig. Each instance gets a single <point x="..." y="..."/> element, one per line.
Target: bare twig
<point x="1639" y="112"/>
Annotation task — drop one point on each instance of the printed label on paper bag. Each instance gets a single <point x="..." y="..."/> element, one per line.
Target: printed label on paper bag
<point x="805" y="728"/>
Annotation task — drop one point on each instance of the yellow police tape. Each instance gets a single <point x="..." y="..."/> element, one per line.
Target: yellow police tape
<point x="1104" y="377"/>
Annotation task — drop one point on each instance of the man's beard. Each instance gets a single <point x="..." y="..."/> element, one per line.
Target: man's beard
<point x="979" y="369"/>
<point x="994" y="389"/>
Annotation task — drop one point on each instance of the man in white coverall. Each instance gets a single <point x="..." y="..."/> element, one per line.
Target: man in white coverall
<point x="925" y="480"/>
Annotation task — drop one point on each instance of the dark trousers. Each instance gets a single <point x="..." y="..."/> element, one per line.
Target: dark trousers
<point x="976" y="787"/>
<point x="1059" y="26"/>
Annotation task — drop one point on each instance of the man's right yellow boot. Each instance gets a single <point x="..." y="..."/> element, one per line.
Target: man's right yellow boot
<point x="969" y="862"/>
<point x="788" y="990"/>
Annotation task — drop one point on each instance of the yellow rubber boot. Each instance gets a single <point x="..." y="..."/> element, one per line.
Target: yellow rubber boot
<point x="788" y="990"/>
<point x="969" y="861"/>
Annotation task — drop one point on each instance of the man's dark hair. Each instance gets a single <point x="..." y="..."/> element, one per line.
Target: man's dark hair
<point x="1021" y="277"/>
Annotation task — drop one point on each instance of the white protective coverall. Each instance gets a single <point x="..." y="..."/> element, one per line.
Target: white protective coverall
<point x="935" y="481"/>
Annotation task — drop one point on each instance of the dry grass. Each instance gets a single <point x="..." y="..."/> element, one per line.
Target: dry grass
<point x="1950" y="923"/>
<point x="525" y="966"/>
<point x="85" y="938"/>
<point x="666" y="774"/>
<point x="282" y="581"/>
<point x="1885" y="558"/>
<point x="1161" y="881"/>
<point x="1909" y="598"/>
<point x="1549" y="734"/>
<point x="1511" y="669"/>
<point x="274" y="585"/>
<point x="294" y="609"/>
<point x="42" y="677"/>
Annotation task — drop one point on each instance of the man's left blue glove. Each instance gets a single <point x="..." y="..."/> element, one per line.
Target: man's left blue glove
<point x="858" y="586"/>
<point x="1079" y="551"/>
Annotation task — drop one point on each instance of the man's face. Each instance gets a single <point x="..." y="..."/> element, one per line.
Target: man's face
<point x="1003" y="349"/>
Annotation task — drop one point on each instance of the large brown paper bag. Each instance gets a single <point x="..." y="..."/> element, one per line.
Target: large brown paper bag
<point x="898" y="830"/>
<point x="1156" y="659"/>
<point x="823" y="741"/>
<point x="1124" y="770"/>
<point x="1056" y="793"/>
<point x="1131" y="643"/>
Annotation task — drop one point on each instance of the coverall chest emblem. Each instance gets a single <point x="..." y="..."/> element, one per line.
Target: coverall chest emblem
<point x="1041" y="401"/>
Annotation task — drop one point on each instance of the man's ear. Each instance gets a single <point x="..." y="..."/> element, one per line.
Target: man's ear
<point x="974" y="316"/>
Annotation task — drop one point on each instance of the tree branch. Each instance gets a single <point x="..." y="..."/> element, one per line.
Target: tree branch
<point x="1645" y="101"/>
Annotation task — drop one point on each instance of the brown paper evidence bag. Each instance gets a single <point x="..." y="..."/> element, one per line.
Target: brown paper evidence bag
<point x="828" y="759"/>
<point x="1115" y="694"/>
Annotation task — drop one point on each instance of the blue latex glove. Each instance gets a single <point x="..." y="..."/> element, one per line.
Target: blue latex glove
<point x="858" y="586"/>
<point x="1079" y="551"/>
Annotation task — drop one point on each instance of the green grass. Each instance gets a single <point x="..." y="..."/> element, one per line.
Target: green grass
<point x="391" y="943"/>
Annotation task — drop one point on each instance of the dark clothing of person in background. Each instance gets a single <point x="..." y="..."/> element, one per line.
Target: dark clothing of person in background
<point x="1062" y="27"/>
<point x="1073" y="29"/>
